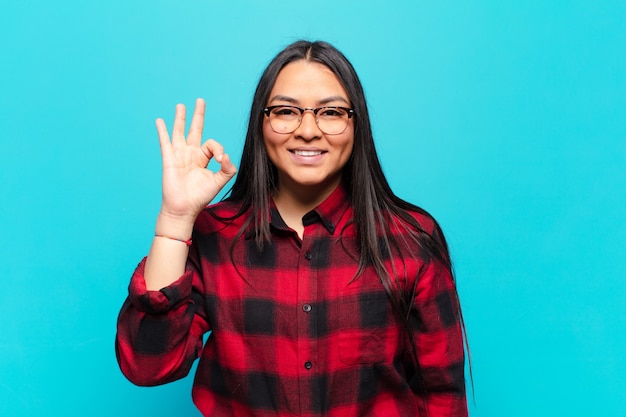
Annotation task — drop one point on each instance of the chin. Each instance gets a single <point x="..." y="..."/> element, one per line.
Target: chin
<point x="314" y="181"/>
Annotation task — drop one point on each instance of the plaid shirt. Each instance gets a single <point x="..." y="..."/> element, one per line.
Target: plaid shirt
<point x="292" y="334"/>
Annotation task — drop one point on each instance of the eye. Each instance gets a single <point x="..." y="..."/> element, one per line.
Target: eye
<point x="332" y="113"/>
<point x="285" y="111"/>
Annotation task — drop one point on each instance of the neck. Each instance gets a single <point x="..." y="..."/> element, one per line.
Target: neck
<point x="293" y="202"/>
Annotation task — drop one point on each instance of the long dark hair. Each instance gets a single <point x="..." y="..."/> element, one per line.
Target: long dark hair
<point x="379" y="215"/>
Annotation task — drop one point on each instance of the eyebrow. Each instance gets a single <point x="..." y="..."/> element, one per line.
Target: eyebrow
<point x="322" y="102"/>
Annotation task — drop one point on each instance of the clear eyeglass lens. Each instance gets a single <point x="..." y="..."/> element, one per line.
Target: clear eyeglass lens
<point x="330" y="120"/>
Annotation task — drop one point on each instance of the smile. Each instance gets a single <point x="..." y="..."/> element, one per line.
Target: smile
<point x="307" y="153"/>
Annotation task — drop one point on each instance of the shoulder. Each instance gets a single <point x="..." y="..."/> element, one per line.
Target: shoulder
<point x="421" y="217"/>
<point x="426" y="224"/>
<point x="218" y="216"/>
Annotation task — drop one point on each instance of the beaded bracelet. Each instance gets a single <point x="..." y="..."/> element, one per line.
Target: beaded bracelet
<point x="186" y="242"/>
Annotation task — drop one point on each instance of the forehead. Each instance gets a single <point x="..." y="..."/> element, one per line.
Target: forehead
<point x="306" y="81"/>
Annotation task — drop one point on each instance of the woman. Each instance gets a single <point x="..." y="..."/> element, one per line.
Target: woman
<point x="325" y="294"/>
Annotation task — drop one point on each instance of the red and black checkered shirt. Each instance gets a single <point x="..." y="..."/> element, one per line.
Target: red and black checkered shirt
<point x="292" y="333"/>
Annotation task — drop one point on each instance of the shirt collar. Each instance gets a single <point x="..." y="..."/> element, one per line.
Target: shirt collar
<point x="328" y="212"/>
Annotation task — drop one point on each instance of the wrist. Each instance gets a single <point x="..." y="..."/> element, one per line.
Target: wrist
<point x="186" y="242"/>
<point x="175" y="226"/>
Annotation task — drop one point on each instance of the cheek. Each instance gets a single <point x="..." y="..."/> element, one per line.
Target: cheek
<point x="272" y="143"/>
<point x="347" y="154"/>
<point x="348" y="144"/>
<point x="267" y="132"/>
<point x="270" y="137"/>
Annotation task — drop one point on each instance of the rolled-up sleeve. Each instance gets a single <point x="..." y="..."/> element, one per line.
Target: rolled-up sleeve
<point x="159" y="333"/>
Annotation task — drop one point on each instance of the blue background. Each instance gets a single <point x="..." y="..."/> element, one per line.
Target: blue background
<point x="504" y="119"/>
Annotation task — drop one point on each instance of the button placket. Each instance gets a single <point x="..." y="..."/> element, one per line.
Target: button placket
<point x="307" y="292"/>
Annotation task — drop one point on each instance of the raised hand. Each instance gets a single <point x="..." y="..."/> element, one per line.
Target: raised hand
<point x="188" y="186"/>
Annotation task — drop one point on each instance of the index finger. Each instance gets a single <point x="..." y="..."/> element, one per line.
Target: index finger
<point x="197" y="124"/>
<point x="213" y="149"/>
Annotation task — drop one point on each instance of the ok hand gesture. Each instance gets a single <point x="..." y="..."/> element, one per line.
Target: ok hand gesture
<point x="188" y="186"/>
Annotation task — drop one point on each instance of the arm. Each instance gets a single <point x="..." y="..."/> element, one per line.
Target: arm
<point x="439" y="383"/>
<point x="161" y="323"/>
<point x="187" y="188"/>
<point x="159" y="333"/>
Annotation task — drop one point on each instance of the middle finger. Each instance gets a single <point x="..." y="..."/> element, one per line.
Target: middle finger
<point x="178" y="130"/>
<point x="197" y="124"/>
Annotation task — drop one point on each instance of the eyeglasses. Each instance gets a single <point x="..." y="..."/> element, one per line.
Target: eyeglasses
<point x="332" y="120"/>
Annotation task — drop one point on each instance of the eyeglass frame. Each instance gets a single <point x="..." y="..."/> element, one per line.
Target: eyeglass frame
<point x="268" y="110"/>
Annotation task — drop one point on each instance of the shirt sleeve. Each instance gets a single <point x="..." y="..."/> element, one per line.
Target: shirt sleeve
<point x="439" y="380"/>
<point x="159" y="333"/>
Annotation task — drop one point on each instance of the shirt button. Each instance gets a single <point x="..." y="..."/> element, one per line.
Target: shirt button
<point x="308" y="365"/>
<point x="307" y="308"/>
<point x="308" y="256"/>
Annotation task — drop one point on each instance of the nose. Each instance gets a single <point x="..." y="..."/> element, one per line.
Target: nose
<point x="308" y="129"/>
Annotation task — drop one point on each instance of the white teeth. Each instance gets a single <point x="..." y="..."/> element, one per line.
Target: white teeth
<point x="307" y="153"/>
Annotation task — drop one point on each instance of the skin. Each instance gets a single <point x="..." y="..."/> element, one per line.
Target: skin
<point x="305" y="181"/>
<point x="188" y="186"/>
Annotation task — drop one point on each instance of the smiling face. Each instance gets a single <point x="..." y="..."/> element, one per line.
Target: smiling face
<point x="308" y="158"/>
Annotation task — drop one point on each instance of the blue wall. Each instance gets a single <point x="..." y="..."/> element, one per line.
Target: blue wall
<point x="506" y="120"/>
